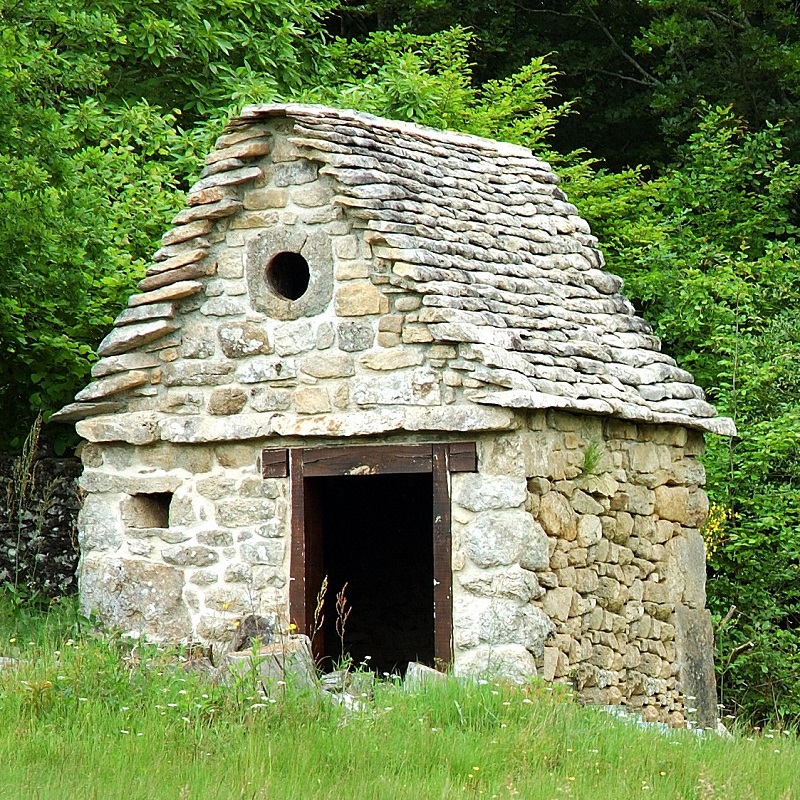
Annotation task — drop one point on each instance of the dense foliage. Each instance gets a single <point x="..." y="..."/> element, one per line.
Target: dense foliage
<point x="105" y="105"/>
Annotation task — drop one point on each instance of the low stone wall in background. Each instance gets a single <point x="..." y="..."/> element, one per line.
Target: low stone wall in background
<point x="38" y="536"/>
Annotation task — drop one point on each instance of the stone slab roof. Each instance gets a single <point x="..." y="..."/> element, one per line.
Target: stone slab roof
<point x="506" y="268"/>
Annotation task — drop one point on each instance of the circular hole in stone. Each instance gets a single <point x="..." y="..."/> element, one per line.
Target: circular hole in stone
<point x="287" y="273"/>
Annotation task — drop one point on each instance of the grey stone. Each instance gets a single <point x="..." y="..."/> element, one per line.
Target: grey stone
<point x="294" y="337"/>
<point x="242" y="339"/>
<point x="285" y="662"/>
<point x="267" y="551"/>
<point x="120" y="340"/>
<point x="355" y="335"/>
<point x="509" y="662"/>
<point x="263" y="368"/>
<point x="99" y="524"/>
<point x="694" y="641"/>
<point x="243" y="512"/>
<point x="478" y="492"/>
<point x="418" y="387"/>
<point x="137" y="597"/>
<point x="189" y="556"/>
<point x="263" y="398"/>
<point x="144" y="313"/>
<point x="535" y="547"/>
<point x="497" y="538"/>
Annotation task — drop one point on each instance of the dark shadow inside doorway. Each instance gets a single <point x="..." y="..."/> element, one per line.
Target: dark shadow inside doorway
<point x="375" y="534"/>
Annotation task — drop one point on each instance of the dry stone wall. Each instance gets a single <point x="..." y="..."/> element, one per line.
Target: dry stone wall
<point x="584" y="530"/>
<point x="575" y="549"/>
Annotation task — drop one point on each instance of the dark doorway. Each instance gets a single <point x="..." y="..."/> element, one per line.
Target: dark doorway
<point x="376" y="549"/>
<point x="378" y="518"/>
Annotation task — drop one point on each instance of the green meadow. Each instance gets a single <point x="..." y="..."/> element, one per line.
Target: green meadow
<point x="84" y="715"/>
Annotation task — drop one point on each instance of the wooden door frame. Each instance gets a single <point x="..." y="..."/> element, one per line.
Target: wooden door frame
<point x="438" y="460"/>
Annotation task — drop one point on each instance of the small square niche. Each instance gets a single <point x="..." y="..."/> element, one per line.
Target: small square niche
<point x="149" y="510"/>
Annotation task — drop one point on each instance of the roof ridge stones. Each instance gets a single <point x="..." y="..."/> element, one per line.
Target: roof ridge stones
<point x="506" y="269"/>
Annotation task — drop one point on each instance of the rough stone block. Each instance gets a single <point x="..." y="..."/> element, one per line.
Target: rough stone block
<point x="360" y="298"/>
<point x="558" y="517"/>
<point x="230" y="400"/>
<point x="497" y="538"/>
<point x="311" y="400"/>
<point x="478" y="492"/>
<point x="137" y="597"/>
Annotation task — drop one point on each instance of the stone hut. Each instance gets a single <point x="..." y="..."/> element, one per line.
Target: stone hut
<point x="387" y="360"/>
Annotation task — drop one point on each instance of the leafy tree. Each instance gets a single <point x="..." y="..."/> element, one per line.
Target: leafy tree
<point x="709" y="251"/>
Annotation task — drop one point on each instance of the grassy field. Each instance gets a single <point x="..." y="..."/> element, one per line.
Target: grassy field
<point x="88" y="717"/>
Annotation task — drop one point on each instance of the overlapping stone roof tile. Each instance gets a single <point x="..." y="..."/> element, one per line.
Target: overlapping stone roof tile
<point x="506" y="268"/>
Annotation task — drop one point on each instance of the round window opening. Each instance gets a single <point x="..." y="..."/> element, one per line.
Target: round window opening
<point x="287" y="274"/>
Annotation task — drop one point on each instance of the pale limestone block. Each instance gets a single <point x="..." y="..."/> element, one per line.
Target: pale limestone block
<point x="396" y="358"/>
<point x="393" y="323"/>
<point x="510" y="662"/>
<point x="496" y="538"/>
<point x="358" y="299"/>
<point x="137" y="428"/>
<point x="590" y="530"/>
<point x="100" y="523"/>
<point x="418" y="387"/>
<point x="311" y="400"/>
<point x="352" y="270"/>
<point x="262" y="199"/>
<point x="478" y="492"/>
<point x="346" y="247"/>
<point x="294" y="337"/>
<point x="328" y="366"/>
<point x="215" y="538"/>
<point x="223" y="307"/>
<point x="416" y="334"/>
<point x="558" y="517"/>
<point x="263" y="368"/>
<point x="136" y="597"/>
<point x="388" y="339"/>
<point x="585" y="504"/>
<point x="672" y="503"/>
<point x="355" y="335"/>
<point x="556" y="603"/>
<point x="514" y="584"/>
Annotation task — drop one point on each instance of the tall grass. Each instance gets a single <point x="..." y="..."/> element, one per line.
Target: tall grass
<point x="87" y="716"/>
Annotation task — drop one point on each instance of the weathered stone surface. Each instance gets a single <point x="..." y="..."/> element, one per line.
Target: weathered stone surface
<point x="355" y="335"/>
<point x="418" y="387"/>
<point x="510" y="662"/>
<point x="535" y="548"/>
<point x="496" y="538"/>
<point x="122" y="363"/>
<point x="230" y="400"/>
<point x="74" y="412"/>
<point x="189" y="556"/>
<point x="263" y="398"/>
<point x="134" y="428"/>
<point x="269" y="552"/>
<point x="482" y="493"/>
<point x="242" y="339"/>
<point x="311" y="400"/>
<point x="359" y="299"/>
<point x="185" y="232"/>
<point x="395" y="358"/>
<point x="261" y="368"/>
<point x="671" y="502"/>
<point x="120" y="340"/>
<point x="513" y="583"/>
<point x="137" y="597"/>
<point x="104" y="387"/>
<point x="175" y="291"/>
<point x="328" y="366"/>
<point x="182" y="274"/>
<point x="145" y="313"/>
<point x="557" y="516"/>
<point x="694" y="641"/>
<point x="294" y="337"/>
<point x="685" y="570"/>
<point x="244" y="512"/>
<point x="557" y="603"/>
